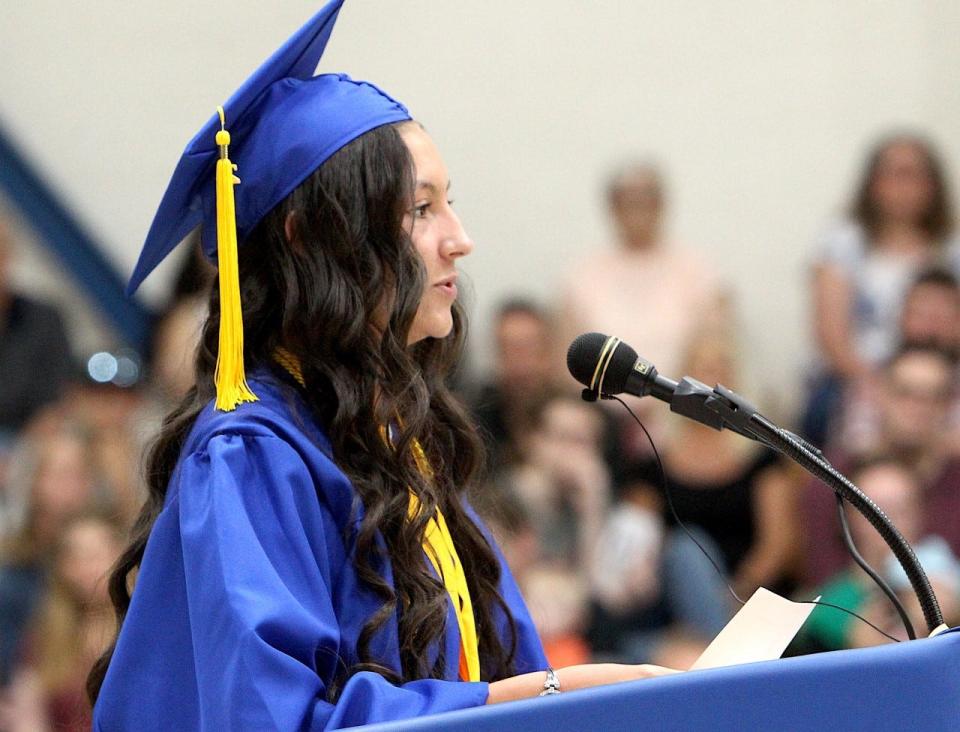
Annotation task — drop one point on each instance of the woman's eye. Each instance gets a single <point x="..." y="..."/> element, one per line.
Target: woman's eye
<point x="420" y="211"/>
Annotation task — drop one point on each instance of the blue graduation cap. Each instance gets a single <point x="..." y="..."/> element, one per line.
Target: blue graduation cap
<point x="285" y="122"/>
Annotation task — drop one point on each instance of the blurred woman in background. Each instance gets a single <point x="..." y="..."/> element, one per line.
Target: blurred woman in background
<point x="733" y="489"/>
<point x="900" y="221"/>
<point x="179" y="326"/>
<point x="56" y="480"/>
<point x="71" y="629"/>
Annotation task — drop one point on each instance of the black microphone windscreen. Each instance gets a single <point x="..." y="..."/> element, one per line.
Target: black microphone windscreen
<point x="584" y="354"/>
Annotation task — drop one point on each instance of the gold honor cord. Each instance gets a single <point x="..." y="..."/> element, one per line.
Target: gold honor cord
<point x="437" y="545"/>
<point x="440" y="550"/>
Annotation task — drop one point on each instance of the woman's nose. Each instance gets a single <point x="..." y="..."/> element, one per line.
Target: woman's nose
<point x="457" y="243"/>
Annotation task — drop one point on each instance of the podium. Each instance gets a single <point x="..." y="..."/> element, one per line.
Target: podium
<point x="906" y="686"/>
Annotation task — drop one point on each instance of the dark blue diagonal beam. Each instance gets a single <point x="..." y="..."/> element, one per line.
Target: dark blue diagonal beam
<point x="80" y="255"/>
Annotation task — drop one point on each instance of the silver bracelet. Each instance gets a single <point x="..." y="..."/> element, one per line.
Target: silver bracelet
<point x="552" y="684"/>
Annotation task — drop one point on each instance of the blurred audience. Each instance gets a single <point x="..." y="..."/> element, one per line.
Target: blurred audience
<point x="656" y="596"/>
<point x="547" y="507"/>
<point x="35" y="358"/>
<point x="930" y="319"/>
<point x="914" y="396"/>
<point x="651" y="592"/>
<point x="647" y="290"/>
<point x="900" y="222"/>
<point x="55" y="479"/>
<point x="71" y="629"/>
<point x="554" y="591"/>
<point x="574" y="498"/>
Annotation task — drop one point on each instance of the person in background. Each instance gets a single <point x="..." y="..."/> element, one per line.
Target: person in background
<point x="510" y="524"/>
<point x="612" y="290"/>
<point x="655" y="595"/>
<point x="178" y="329"/>
<point x="557" y="599"/>
<point x="56" y="479"/>
<point x="118" y="417"/>
<point x="555" y="592"/>
<point x="896" y="490"/>
<point x="522" y="374"/>
<point x="736" y="491"/>
<point x="930" y="320"/>
<point x="70" y="630"/>
<point x="900" y="222"/>
<point x="35" y="357"/>
<point x="562" y="480"/>
<point x="914" y="395"/>
<point x="931" y="311"/>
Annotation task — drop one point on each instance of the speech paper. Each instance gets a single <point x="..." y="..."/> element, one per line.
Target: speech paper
<point x="760" y="631"/>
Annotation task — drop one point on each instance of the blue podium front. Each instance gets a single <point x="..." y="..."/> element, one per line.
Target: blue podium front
<point x="905" y="686"/>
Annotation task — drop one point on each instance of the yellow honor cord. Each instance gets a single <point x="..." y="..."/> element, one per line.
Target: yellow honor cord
<point x="440" y="550"/>
<point x="437" y="545"/>
<point x="291" y="364"/>
<point x="230" y="378"/>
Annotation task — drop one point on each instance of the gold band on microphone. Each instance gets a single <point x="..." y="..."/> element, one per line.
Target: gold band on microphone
<point x="606" y="355"/>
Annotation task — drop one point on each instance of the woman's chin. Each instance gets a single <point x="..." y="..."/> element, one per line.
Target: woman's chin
<point x="439" y="327"/>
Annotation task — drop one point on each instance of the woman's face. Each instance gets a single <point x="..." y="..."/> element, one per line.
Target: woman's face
<point x="637" y="208"/>
<point x="902" y="186"/>
<point x="88" y="551"/>
<point x="437" y="234"/>
<point x="64" y="481"/>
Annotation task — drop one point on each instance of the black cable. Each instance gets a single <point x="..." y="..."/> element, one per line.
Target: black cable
<point x="683" y="526"/>
<point x="858" y="558"/>
<point x="848" y="611"/>
<point x="673" y="510"/>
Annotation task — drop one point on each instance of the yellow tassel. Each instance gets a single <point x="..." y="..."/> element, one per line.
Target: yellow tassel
<point x="231" y="381"/>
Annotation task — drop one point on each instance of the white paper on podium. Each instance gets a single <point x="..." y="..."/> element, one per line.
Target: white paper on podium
<point x="760" y="631"/>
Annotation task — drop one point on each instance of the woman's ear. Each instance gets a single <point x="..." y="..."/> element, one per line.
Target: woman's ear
<point x="290" y="228"/>
<point x="291" y="233"/>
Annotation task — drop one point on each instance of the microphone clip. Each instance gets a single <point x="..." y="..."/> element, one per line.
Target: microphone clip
<point x="592" y="395"/>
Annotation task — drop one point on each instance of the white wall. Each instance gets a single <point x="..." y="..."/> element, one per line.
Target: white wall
<point x="759" y="111"/>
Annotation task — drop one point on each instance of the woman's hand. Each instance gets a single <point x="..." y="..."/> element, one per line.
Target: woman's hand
<point x="572" y="677"/>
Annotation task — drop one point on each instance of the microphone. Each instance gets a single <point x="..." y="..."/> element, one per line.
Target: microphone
<point x="607" y="366"/>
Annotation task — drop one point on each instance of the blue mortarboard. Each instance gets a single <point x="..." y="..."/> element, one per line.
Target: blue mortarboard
<point x="284" y="122"/>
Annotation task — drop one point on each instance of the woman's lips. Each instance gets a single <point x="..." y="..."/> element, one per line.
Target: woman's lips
<point x="448" y="286"/>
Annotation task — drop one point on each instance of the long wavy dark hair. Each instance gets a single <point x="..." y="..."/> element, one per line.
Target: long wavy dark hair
<point x="349" y="264"/>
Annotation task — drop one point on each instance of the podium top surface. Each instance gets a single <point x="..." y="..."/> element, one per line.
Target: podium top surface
<point x="906" y="686"/>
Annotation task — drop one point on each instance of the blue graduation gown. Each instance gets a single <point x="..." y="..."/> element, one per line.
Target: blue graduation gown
<point x="247" y="603"/>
